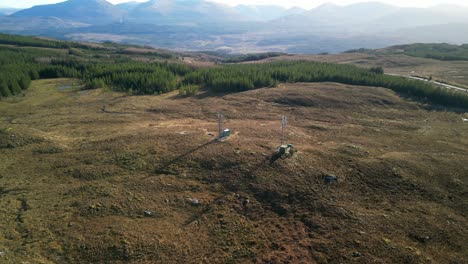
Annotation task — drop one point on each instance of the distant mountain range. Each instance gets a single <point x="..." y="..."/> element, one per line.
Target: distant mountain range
<point x="182" y="12"/>
<point x="128" y="6"/>
<point x="202" y="25"/>
<point x="8" y="11"/>
<point x="266" y="12"/>
<point x="87" y="11"/>
<point x="156" y="11"/>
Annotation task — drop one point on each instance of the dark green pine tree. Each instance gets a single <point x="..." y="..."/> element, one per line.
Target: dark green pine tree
<point x="4" y="90"/>
<point x="33" y="74"/>
<point x="24" y="82"/>
<point x="15" y="88"/>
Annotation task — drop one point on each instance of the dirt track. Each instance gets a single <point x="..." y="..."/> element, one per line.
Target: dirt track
<point x="444" y="85"/>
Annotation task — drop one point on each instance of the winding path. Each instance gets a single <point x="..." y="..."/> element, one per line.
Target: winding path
<point x="448" y="86"/>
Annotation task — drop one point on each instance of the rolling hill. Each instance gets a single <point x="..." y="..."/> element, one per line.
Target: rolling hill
<point x="371" y="17"/>
<point x="266" y="12"/>
<point x="86" y="11"/>
<point x="8" y="11"/>
<point x="44" y="26"/>
<point x="183" y="12"/>
<point x="128" y="6"/>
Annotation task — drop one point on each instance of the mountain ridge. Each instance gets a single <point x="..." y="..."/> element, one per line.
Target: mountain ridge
<point x="202" y="25"/>
<point x="87" y="11"/>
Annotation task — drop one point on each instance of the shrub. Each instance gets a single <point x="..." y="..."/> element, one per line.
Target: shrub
<point x="377" y="70"/>
<point x="188" y="90"/>
<point x="95" y="84"/>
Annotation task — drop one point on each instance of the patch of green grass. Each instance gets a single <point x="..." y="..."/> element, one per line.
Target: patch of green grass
<point x="188" y="90"/>
<point x="129" y="160"/>
<point x="93" y="172"/>
<point x="10" y="139"/>
<point x="48" y="149"/>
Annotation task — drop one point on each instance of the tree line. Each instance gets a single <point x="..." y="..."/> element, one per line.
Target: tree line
<point x="242" y="77"/>
<point x="17" y="69"/>
<point x="39" y="42"/>
<point x="21" y="65"/>
<point x="16" y="78"/>
<point x="252" y="57"/>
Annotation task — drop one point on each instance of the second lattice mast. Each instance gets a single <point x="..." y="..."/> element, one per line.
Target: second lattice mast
<point x="284" y="122"/>
<point x="220" y="124"/>
<point x="222" y="132"/>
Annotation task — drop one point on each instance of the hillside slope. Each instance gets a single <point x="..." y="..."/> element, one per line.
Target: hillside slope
<point x="183" y="12"/>
<point x="8" y="11"/>
<point x="87" y="11"/>
<point x="95" y="176"/>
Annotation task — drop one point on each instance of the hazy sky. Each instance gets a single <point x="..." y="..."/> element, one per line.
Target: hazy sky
<point x="287" y="3"/>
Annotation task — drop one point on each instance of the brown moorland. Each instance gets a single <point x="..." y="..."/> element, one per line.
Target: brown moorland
<point x="100" y="177"/>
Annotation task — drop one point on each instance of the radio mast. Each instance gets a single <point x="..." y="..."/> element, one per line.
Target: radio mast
<point x="220" y="124"/>
<point x="284" y="122"/>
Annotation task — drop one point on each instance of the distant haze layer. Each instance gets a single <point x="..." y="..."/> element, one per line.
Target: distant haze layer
<point x="286" y="3"/>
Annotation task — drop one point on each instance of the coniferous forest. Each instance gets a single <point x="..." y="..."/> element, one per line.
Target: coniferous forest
<point x="242" y="77"/>
<point x="98" y="67"/>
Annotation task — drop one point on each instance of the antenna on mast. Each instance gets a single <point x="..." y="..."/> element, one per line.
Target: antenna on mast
<point x="220" y="124"/>
<point x="284" y="122"/>
<point x="224" y="133"/>
<point x="284" y="150"/>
